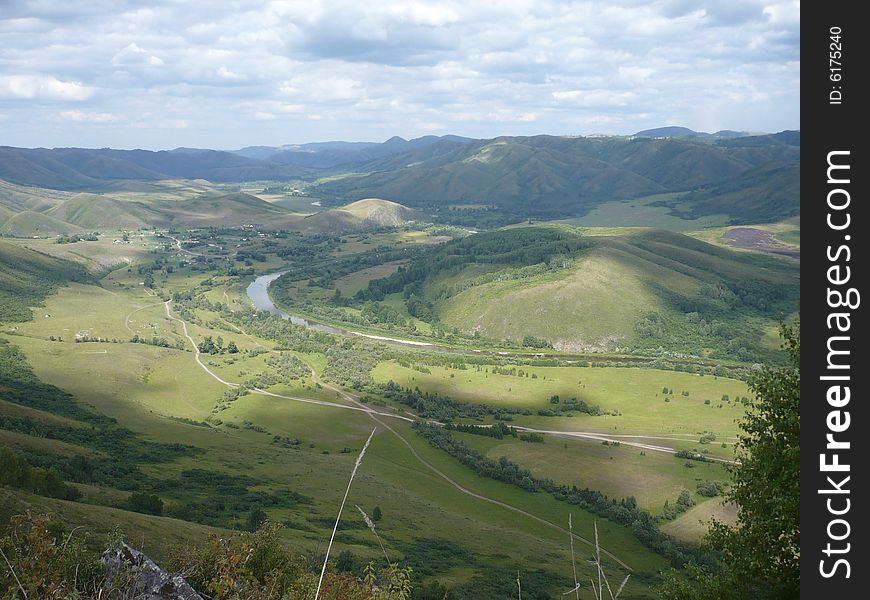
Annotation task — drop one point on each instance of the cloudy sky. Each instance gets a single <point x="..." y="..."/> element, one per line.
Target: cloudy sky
<point x="231" y="73"/>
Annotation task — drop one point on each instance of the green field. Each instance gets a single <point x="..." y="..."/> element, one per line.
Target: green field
<point x="636" y="393"/>
<point x="303" y="436"/>
<point x="618" y="471"/>
<point x="639" y="212"/>
<point x="148" y="388"/>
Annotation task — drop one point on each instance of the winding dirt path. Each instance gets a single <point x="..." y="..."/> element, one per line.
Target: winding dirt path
<point x="132" y="312"/>
<point x="374" y="415"/>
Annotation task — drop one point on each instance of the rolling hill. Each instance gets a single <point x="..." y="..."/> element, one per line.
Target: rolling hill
<point x="34" y="212"/>
<point x="479" y="182"/>
<point x="552" y="177"/>
<point x="686" y="133"/>
<point x="651" y="290"/>
<point x="92" y="211"/>
<point x="370" y="213"/>
<point x="29" y="223"/>
<point x="27" y="277"/>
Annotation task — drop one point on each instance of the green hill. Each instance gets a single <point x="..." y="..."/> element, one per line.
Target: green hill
<point x="369" y="213"/>
<point x="92" y="211"/>
<point x="27" y="277"/>
<point x="647" y="290"/>
<point x="231" y="209"/>
<point x="553" y="177"/>
<point x="25" y="212"/>
<point x="30" y="224"/>
<point x="16" y="198"/>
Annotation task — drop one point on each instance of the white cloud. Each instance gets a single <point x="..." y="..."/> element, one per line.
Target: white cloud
<point x="87" y="117"/>
<point x="132" y="55"/>
<point x="43" y="87"/>
<point x="594" y="97"/>
<point x="288" y="71"/>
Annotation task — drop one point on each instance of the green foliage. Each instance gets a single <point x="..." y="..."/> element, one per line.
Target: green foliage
<point x="150" y="504"/>
<point x="27" y="277"/>
<point x="256" y="566"/>
<point x="41" y="561"/>
<point x="256" y="518"/>
<point x="78" y="237"/>
<point x="763" y="548"/>
<point x="710" y="489"/>
<point x="684" y="502"/>
<point x="242" y="566"/>
<point x="16" y="472"/>
<point x="760" y="554"/>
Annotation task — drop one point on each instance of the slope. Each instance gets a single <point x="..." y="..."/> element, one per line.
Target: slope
<point x="646" y="290"/>
<point x="370" y="213"/>
<point x="549" y="177"/>
<point x="92" y="211"/>
<point x="34" y="224"/>
<point x="27" y="277"/>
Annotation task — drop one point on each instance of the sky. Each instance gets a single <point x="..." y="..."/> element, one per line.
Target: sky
<point x="233" y="73"/>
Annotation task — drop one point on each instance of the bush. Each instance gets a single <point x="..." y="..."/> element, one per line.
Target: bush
<point x="44" y="562"/>
<point x="149" y="504"/>
<point x="710" y="489"/>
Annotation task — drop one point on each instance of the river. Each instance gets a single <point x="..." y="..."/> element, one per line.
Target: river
<point x="258" y="292"/>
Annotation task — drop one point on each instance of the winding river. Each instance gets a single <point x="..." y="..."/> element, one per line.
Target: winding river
<point x="258" y="292"/>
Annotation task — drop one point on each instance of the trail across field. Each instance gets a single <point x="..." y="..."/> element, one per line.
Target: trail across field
<point x="373" y="414"/>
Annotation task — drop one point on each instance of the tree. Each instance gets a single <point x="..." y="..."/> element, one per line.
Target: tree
<point x="764" y="546"/>
<point x="345" y="562"/>
<point x="377" y="514"/>
<point x="760" y="554"/>
<point x="232" y="348"/>
<point x="256" y="518"/>
<point x="149" y="504"/>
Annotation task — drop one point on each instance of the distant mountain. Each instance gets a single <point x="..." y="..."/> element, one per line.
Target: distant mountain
<point x="686" y="133"/>
<point x="325" y="155"/>
<point x="552" y="177"/>
<point x="87" y="169"/>
<point x="669" y="132"/>
<point x="484" y="182"/>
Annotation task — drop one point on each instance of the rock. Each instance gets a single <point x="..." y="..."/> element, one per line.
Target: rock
<point x="150" y="582"/>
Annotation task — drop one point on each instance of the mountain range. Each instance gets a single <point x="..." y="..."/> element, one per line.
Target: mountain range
<point x="746" y="177"/>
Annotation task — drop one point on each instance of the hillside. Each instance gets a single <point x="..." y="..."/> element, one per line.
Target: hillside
<point x="33" y="224"/>
<point x="235" y="208"/>
<point x="27" y="277"/>
<point x="480" y="182"/>
<point x="370" y="213"/>
<point x="16" y="198"/>
<point x="92" y="211"/>
<point x="97" y="169"/>
<point x="552" y="177"/>
<point x="647" y="290"/>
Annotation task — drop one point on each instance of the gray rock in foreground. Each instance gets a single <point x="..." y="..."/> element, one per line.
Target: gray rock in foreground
<point x="149" y="582"/>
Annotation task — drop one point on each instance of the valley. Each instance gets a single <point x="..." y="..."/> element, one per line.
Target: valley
<point x="206" y="354"/>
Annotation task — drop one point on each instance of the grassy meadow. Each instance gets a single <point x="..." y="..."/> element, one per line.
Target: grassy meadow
<point x="162" y="394"/>
<point x="635" y="393"/>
